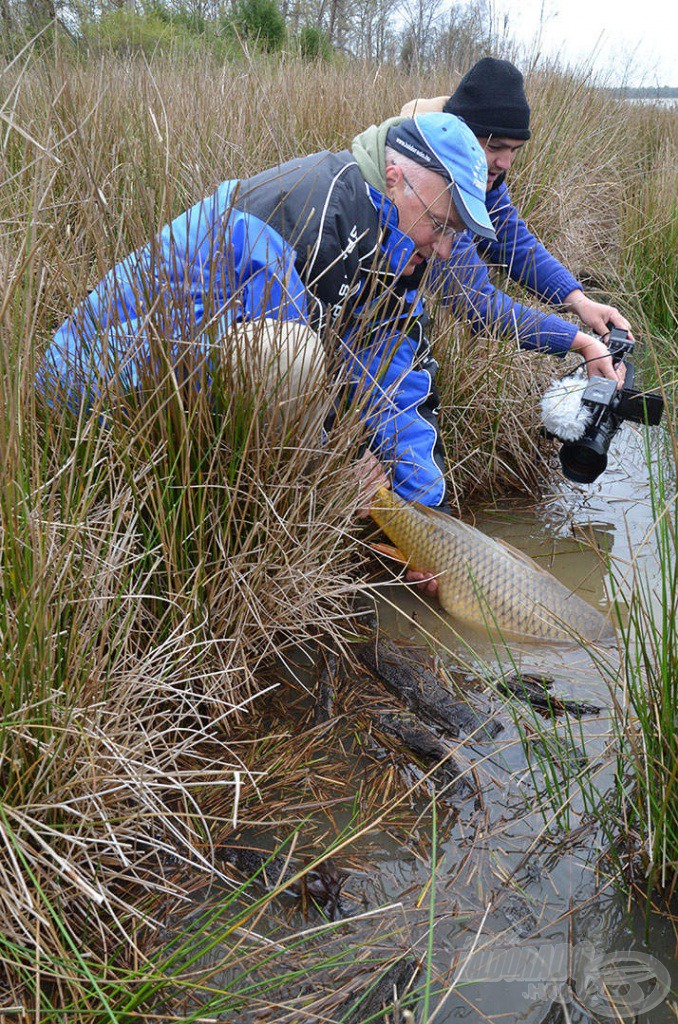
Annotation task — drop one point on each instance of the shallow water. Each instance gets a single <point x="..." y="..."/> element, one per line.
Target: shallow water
<point x="571" y="533"/>
<point x="517" y="909"/>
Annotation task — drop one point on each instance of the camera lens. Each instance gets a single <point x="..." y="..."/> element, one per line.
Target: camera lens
<point x="583" y="461"/>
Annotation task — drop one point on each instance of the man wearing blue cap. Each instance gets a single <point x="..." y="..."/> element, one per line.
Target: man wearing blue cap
<point x="336" y="243"/>
<point x="491" y="100"/>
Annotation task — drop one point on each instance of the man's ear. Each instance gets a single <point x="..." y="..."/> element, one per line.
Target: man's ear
<point x="393" y="175"/>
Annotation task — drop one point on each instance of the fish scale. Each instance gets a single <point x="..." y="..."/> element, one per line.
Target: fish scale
<point x="484" y="581"/>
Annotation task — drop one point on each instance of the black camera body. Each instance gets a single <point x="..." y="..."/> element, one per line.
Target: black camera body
<point x="585" y="459"/>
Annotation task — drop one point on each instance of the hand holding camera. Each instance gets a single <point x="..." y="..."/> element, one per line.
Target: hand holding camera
<point x="598" y="361"/>
<point x="586" y="415"/>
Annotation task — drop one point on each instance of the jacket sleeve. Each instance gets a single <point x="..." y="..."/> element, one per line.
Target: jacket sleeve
<point x="210" y="267"/>
<point x="526" y="260"/>
<point x="466" y="286"/>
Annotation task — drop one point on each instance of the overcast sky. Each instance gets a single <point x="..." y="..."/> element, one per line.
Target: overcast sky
<point x="635" y="41"/>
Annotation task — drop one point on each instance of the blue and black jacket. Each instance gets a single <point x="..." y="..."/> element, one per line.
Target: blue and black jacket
<point x="308" y="241"/>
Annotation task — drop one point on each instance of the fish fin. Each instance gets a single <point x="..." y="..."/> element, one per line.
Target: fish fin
<point x="520" y="556"/>
<point x="390" y="551"/>
<point x="432" y="513"/>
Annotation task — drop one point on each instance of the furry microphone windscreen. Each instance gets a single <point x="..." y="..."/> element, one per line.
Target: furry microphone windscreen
<point x="563" y="413"/>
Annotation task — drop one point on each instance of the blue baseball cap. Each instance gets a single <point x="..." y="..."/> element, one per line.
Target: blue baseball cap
<point x="444" y="144"/>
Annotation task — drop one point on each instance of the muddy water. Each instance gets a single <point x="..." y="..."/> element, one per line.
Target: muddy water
<point x="519" y="898"/>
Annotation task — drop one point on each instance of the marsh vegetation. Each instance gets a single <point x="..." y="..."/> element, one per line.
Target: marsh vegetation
<point x="161" y="573"/>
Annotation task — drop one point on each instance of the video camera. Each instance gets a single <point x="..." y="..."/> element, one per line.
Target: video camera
<point x="603" y="409"/>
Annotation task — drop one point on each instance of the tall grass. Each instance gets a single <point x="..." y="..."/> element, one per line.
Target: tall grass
<point x="649" y="226"/>
<point x="646" y="716"/>
<point x="152" y="568"/>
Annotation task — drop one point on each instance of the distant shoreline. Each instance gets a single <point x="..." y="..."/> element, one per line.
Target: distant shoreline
<point x="660" y="92"/>
<point x="653" y="101"/>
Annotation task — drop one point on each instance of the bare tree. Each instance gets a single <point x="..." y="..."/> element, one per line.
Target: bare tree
<point x="372" y="24"/>
<point x="464" y="35"/>
<point x="420" y="18"/>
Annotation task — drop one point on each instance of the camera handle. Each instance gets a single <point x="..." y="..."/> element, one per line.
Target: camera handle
<point x="619" y="344"/>
<point x="621" y="349"/>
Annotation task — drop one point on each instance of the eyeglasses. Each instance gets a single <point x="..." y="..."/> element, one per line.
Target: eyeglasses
<point x="444" y="230"/>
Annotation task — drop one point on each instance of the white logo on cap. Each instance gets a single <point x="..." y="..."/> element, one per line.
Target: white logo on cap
<point x="421" y="155"/>
<point x="479" y="173"/>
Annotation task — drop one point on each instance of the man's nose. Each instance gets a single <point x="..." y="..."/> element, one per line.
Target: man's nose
<point x="503" y="159"/>
<point x="443" y="246"/>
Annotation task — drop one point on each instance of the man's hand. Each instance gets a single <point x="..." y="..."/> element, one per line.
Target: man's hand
<point x="423" y="581"/>
<point x="424" y="106"/>
<point x="596" y="315"/>
<point x="597" y="357"/>
<point x="371" y="477"/>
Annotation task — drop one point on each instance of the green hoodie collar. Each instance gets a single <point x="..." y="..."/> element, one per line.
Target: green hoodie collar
<point x="368" y="152"/>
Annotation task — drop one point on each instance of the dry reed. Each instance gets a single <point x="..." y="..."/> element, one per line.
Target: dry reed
<point x="151" y="570"/>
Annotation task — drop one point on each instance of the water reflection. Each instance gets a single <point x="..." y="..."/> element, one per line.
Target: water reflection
<point x="594" y="538"/>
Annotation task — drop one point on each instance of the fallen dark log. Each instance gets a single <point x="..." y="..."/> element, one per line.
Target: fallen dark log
<point x="322" y="885"/>
<point x="425" y="745"/>
<point x="535" y="691"/>
<point x="378" y="998"/>
<point x="402" y="672"/>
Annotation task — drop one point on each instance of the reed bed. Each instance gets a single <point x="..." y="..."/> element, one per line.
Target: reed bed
<point x="649" y="226"/>
<point x="646" y="798"/>
<point x="153" y="568"/>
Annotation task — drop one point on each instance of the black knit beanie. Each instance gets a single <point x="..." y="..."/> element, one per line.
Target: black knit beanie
<point x="491" y="99"/>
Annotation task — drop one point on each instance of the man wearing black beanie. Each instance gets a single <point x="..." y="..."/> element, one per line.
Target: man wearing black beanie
<point x="491" y="99"/>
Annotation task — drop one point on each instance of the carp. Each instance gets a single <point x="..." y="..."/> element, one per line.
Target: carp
<point x="486" y="581"/>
